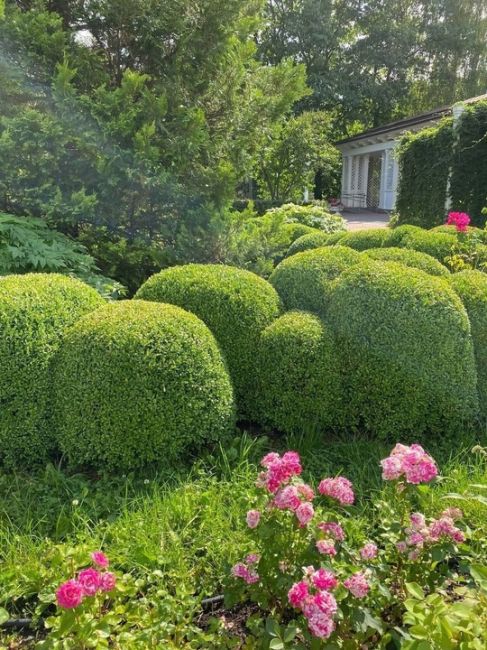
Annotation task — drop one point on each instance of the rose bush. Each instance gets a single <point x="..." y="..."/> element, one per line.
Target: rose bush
<point x="309" y="569"/>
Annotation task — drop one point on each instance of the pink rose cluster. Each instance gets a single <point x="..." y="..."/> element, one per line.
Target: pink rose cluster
<point x="338" y="488"/>
<point x="357" y="585"/>
<point x="412" y="463"/>
<point x="334" y="533"/>
<point x="419" y="534"/>
<point x="279" y="471"/>
<point x="460" y="220"/>
<point x="246" y="570"/>
<point x="369" y="551"/>
<point x="89" y="582"/>
<point x="313" y="598"/>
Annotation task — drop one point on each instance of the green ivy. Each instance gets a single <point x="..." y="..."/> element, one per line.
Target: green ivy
<point x="468" y="184"/>
<point x="424" y="162"/>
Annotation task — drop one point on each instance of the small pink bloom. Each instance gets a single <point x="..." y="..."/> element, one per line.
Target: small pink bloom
<point x="453" y="513"/>
<point x="108" y="581"/>
<point x="460" y="220"/>
<point x="70" y="594"/>
<point x="287" y="498"/>
<point x="269" y="459"/>
<point x="333" y="529"/>
<point x="253" y="518"/>
<point x="298" y="594"/>
<point x="411" y="462"/>
<point x="402" y="547"/>
<point x="305" y="513"/>
<point x="417" y="521"/>
<point x="306" y="492"/>
<point x="414" y="555"/>
<point x="369" y="551"/>
<point x="357" y="585"/>
<point x="239" y="570"/>
<point x="252" y="558"/>
<point x="321" y="626"/>
<point x="338" y="488"/>
<point x="90" y="580"/>
<point x="100" y="559"/>
<point x="324" y="579"/>
<point x="415" y="539"/>
<point x="326" y="547"/>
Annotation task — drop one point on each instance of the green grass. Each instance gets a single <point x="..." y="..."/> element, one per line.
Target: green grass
<point x="187" y="524"/>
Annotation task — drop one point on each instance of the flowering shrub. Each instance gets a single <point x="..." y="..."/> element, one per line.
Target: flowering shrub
<point x="470" y="251"/>
<point x="318" y="580"/>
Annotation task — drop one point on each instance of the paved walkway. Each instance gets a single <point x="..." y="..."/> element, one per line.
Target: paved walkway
<point x="365" y="220"/>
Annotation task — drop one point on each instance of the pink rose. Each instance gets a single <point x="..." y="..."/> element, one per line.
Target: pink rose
<point x="357" y="585"/>
<point x="305" y="513"/>
<point x="298" y="594"/>
<point x="90" y="581"/>
<point x="70" y="594"/>
<point x="253" y="518"/>
<point x="324" y="579"/>
<point x="100" y="559"/>
<point x="108" y="581"/>
<point x="326" y="547"/>
<point x="369" y="551"/>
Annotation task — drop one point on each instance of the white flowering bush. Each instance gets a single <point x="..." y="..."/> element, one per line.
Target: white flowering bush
<point x="325" y="586"/>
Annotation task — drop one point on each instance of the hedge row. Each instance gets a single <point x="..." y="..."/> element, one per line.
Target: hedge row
<point x="367" y="344"/>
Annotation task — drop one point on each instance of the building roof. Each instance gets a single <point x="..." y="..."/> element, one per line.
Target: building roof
<point x="408" y="122"/>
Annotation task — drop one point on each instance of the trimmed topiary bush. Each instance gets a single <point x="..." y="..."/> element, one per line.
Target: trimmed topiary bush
<point x="297" y="376"/>
<point x="361" y="240"/>
<point x="437" y="244"/>
<point x="139" y="382"/>
<point x="471" y="286"/>
<point x="406" y="351"/>
<point x="397" y="235"/>
<point x="235" y="304"/>
<point x="35" y="310"/>
<point x="308" y="242"/>
<point x="409" y="257"/>
<point x="297" y="230"/>
<point x="335" y="238"/>
<point x="305" y="280"/>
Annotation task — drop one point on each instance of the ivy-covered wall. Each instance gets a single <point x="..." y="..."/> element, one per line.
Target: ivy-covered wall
<point x="428" y="158"/>
<point x="424" y="162"/>
<point x="468" y="185"/>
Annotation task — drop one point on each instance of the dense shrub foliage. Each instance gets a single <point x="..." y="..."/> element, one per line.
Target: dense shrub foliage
<point x="399" y="233"/>
<point x="305" y="280"/>
<point x="297" y="376"/>
<point x="472" y="230"/>
<point x="361" y="240"/>
<point x="35" y="310"/>
<point x="334" y="238"/>
<point x="468" y="186"/>
<point x="139" y="382"/>
<point x="471" y="286"/>
<point x="424" y="162"/>
<point x="308" y="242"/>
<point x="405" y="349"/>
<point x="408" y="257"/>
<point x="235" y="304"/>
<point x="437" y="244"/>
<point x="315" y="216"/>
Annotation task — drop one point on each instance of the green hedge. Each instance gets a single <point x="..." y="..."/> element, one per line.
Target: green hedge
<point x="35" y="310"/>
<point x="399" y="233"/>
<point x="471" y="286"/>
<point x="335" y="238"/>
<point x="362" y="240"/>
<point x="468" y="183"/>
<point x="424" y="163"/>
<point x="409" y="257"/>
<point x="139" y="382"/>
<point x="472" y="230"/>
<point x="406" y="352"/>
<point x="437" y="244"/>
<point x="305" y="280"/>
<point x="298" y="377"/>
<point x="297" y="230"/>
<point x="235" y="304"/>
<point x="308" y="242"/>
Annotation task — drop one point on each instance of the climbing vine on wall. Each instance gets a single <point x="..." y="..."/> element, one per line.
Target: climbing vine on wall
<point x="468" y="184"/>
<point x="424" y="160"/>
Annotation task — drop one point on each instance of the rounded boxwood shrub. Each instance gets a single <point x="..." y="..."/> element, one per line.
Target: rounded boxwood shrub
<point x="139" y="382"/>
<point x="406" y="351"/>
<point x="297" y="375"/>
<point x="361" y="240"/>
<point x="297" y="230"/>
<point x="35" y="310"/>
<point x="409" y="257"/>
<point x="472" y="230"/>
<point x="305" y="280"/>
<point x="471" y="286"/>
<point x="235" y="304"/>
<point x="437" y="244"/>
<point x="396" y="235"/>
<point x="335" y="238"/>
<point x="308" y="242"/>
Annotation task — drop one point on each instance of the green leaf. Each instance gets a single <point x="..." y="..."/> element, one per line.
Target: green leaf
<point x="290" y="633"/>
<point x="415" y="590"/>
<point x="4" y="615"/>
<point x="276" y="644"/>
<point x="272" y="627"/>
<point x="478" y="572"/>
